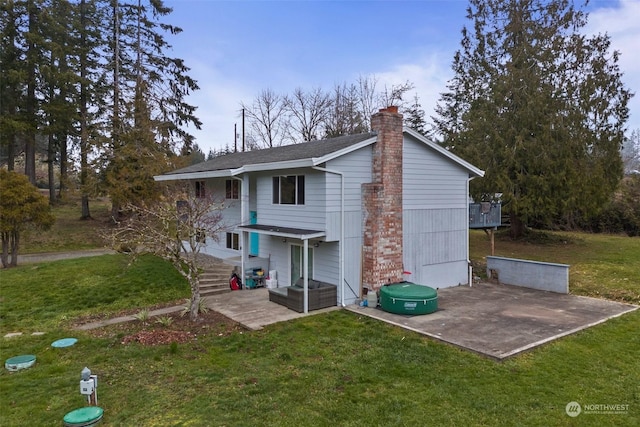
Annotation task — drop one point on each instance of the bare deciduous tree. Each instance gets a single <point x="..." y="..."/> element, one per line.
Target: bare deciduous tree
<point x="631" y="153"/>
<point x="308" y="112"/>
<point x="368" y="98"/>
<point x="267" y="118"/>
<point x="394" y="95"/>
<point x="175" y="229"/>
<point x="345" y="116"/>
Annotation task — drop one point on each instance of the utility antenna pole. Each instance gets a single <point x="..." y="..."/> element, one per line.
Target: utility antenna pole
<point x="235" y="137"/>
<point x="243" y="147"/>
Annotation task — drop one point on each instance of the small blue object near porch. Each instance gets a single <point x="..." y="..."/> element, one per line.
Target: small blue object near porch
<point x="408" y="298"/>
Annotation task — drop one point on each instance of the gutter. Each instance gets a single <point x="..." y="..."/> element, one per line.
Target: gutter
<point x="244" y="218"/>
<point x="340" y="248"/>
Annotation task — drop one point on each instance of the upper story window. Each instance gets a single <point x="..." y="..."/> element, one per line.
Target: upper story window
<point x="233" y="189"/>
<point x="200" y="190"/>
<point x="288" y="190"/>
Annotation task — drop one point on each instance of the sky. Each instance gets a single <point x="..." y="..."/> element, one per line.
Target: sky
<point x="238" y="48"/>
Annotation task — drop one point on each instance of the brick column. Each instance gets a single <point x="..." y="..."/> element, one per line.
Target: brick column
<point x="382" y="204"/>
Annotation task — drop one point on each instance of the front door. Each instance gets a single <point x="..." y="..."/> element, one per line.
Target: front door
<point x="297" y="267"/>
<point x="254" y="238"/>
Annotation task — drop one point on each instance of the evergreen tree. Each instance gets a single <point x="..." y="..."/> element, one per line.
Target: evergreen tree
<point x="142" y="76"/>
<point x="59" y="76"/>
<point x="12" y="77"/>
<point x="414" y="117"/>
<point x="539" y="106"/>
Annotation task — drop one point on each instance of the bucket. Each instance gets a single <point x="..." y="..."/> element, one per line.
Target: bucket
<point x="372" y="298"/>
<point x="271" y="283"/>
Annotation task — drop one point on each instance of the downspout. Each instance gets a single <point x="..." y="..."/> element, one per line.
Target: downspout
<point x="470" y="274"/>
<point x="305" y="274"/>
<point x="340" y="246"/>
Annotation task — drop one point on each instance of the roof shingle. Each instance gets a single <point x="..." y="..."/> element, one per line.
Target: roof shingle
<point x="284" y="153"/>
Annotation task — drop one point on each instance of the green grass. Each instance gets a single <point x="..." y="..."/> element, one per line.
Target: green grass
<point x="46" y="295"/>
<point x="601" y="265"/>
<point x="69" y="232"/>
<point x="337" y="368"/>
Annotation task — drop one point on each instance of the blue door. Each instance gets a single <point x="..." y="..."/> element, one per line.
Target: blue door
<point x="254" y="238"/>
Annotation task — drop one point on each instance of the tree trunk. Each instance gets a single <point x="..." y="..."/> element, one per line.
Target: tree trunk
<point x="5" y="250"/>
<point x="64" y="176"/>
<point x="517" y="227"/>
<point x="195" y="296"/>
<point x="84" y="113"/>
<point x="14" y="240"/>
<point x="11" y="150"/>
<point x="51" y="155"/>
<point x="86" y="214"/>
<point x="30" y="135"/>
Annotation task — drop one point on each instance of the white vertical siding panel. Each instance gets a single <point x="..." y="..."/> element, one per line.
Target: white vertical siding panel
<point x="433" y="237"/>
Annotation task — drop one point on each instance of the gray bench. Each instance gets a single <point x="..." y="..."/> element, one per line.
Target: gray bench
<point x="321" y="295"/>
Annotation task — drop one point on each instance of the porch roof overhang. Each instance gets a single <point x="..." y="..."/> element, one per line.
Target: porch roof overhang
<point x="288" y="232"/>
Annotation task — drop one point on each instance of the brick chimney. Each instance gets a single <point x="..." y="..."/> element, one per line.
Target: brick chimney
<point x="382" y="204"/>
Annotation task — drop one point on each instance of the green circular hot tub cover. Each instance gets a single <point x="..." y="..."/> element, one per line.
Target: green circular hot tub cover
<point x="409" y="290"/>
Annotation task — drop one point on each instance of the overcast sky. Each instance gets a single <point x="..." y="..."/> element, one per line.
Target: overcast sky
<point x="235" y="49"/>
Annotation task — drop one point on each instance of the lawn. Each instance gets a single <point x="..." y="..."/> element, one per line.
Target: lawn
<point x="602" y="265"/>
<point x="70" y="232"/>
<point x="337" y="368"/>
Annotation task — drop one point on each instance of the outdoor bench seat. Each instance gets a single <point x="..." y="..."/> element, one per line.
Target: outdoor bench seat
<point x="321" y="295"/>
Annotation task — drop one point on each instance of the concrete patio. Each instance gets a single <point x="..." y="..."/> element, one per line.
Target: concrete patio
<point x="498" y="321"/>
<point x="252" y="308"/>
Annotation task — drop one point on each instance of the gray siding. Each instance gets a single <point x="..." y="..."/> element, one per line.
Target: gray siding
<point x="430" y="181"/>
<point x="436" y="217"/>
<point x="356" y="168"/>
<point x="230" y="218"/>
<point x="309" y="216"/>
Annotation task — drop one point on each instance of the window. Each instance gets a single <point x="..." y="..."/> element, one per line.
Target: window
<point x="233" y="241"/>
<point x="200" y="190"/>
<point x="288" y="190"/>
<point x="233" y="189"/>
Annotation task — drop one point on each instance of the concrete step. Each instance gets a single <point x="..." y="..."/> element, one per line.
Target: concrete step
<point x="214" y="291"/>
<point x="214" y="276"/>
<point x="215" y="279"/>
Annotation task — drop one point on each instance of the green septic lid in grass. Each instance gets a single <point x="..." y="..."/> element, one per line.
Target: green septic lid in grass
<point x="20" y="362"/>
<point x="86" y="416"/>
<point x="64" y="342"/>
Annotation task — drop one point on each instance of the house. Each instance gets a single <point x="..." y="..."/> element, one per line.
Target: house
<point x="358" y="210"/>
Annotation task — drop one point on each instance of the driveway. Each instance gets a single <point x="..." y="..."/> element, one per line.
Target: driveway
<point x="500" y="320"/>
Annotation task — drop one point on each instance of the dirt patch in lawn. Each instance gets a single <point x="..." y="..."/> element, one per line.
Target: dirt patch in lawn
<point x="165" y="329"/>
